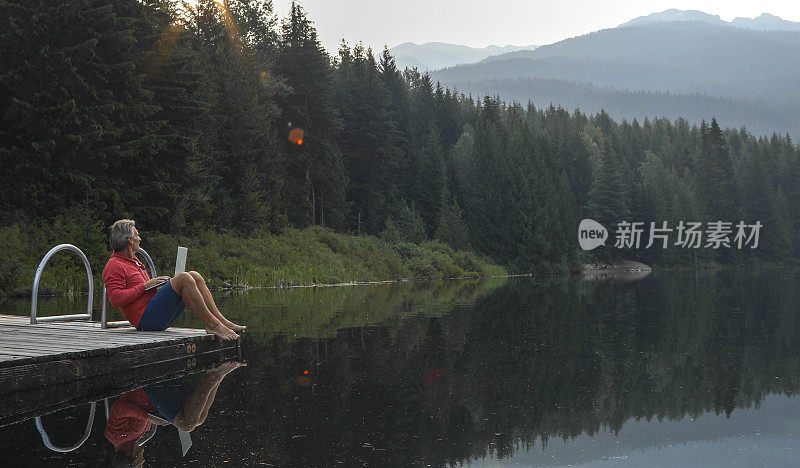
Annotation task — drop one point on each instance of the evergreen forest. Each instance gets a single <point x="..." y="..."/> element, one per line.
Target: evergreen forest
<point x="221" y="117"/>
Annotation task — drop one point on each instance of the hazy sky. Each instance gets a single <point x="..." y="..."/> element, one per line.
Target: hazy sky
<point x="479" y="23"/>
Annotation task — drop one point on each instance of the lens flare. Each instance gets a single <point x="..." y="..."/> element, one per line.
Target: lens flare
<point x="230" y="24"/>
<point x="296" y="136"/>
<point x="162" y="48"/>
<point x="435" y="373"/>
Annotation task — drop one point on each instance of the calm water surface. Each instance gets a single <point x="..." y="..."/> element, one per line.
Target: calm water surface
<point x="673" y="369"/>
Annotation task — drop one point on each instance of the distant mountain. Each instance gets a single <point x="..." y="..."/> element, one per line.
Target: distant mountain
<point x="675" y="15"/>
<point x="764" y="22"/>
<point x="694" y="54"/>
<point x="676" y="57"/>
<point x="435" y="55"/>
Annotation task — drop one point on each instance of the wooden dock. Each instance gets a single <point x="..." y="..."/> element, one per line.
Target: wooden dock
<point x="59" y="356"/>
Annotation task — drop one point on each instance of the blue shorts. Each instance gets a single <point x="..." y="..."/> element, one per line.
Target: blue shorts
<point x="163" y="310"/>
<point x="168" y="397"/>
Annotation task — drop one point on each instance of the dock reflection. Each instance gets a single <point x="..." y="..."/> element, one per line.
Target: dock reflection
<point x="135" y="417"/>
<point x="170" y="394"/>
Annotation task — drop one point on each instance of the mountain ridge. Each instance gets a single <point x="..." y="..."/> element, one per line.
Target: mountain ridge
<point x="740" y="66"/>
<point x="435" y="55"/>
<point x="763" y="22"/>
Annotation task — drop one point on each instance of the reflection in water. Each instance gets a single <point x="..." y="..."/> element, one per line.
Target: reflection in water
<point x="528" y="363"/>
<point x="135" y="416"/>
<point x="528" y="370"/>
<point x="618" y="275"/>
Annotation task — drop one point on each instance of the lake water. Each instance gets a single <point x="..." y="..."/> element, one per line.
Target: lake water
<point x="670" y="369"/>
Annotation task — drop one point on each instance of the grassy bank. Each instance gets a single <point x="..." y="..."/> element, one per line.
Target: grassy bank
<point x="295" y="257"/>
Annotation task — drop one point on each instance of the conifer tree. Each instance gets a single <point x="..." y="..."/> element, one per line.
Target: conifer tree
<point x="239" y="145"/>
<point x="486" y="192"/>
<point x="316" y="180"/>
<point x="177" y="119"/>
<point x="369" y="138"/>
<point x="608" y="198"/>
<point x="766" y="204"/>
<point x="430" y="180"/>
<point x="78" y="128"/>
<point x="715" y="173"/>
<point x="451" y="227"/>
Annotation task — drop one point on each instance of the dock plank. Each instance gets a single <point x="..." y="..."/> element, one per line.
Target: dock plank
<point x="11" y="356"/>
<point x="35" y="341"/>
<point x="50" y="353"/>
<point x="99" y="336"/>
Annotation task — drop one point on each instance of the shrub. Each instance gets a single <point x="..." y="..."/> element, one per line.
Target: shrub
<point x="295" y="257"/>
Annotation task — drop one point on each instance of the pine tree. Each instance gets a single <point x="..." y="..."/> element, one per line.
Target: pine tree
<point x="486" y="191"/>
<point x="238" y="146"/>
<point x="767" y="205"/>
<point x="369" y="138"/>
<point x="316" y="181"/>
<point x="715" y="174"/>
<point x="410" y="223"/>
<point x="430" y="180"/>
<point x="608" y="198"/>
<point x="78" y="128"/>
<point x="451" y="228"/>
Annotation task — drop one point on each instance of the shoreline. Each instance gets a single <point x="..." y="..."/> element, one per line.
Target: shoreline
<point x="366" y="283"/>
<point x="47" y="294"/>
<point x="584" y="271"/>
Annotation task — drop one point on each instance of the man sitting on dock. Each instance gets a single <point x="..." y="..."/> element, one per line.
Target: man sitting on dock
<point x="129" y="289"/>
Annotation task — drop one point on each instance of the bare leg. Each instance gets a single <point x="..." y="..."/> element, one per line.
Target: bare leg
<point x="212" y="306"/>
<point x="222" y="370"/>
<point x="195" y="409"/>
<point x="185" y="286"/>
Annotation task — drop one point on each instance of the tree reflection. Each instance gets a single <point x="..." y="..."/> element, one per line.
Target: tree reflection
<point x="443" y="373"/>
<point x="529" y="362"/>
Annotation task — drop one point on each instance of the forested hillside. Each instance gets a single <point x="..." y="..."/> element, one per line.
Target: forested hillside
<point x="759" y="117"/>
<point x="655" y="69"/>
<point x="226" y="118"/>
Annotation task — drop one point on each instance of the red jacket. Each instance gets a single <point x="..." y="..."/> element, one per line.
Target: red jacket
<point x="125" y="278"/>
<point x="127" y="420"/>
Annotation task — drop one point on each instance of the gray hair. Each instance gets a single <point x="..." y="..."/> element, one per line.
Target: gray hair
<point x="120" y="231"/>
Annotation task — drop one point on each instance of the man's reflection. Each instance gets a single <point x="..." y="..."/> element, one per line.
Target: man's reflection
<point x="135" y="416"/>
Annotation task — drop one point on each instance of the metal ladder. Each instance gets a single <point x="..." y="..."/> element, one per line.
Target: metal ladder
<point x="86" y="432"/>
<point x="104" y="323"/>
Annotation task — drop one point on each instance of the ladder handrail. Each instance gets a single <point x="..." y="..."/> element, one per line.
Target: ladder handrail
<point x="38" y="277"/>
<point x="104" y="323"/>
<point x="149" y="261"/>
<point x="86" y="432"/>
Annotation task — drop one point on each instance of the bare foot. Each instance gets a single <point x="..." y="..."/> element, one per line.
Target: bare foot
<point x="233" y="326"/>
<point x="228" y="366"/>
<point x="223" y="332"/>
<point x="225" y="368"/>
